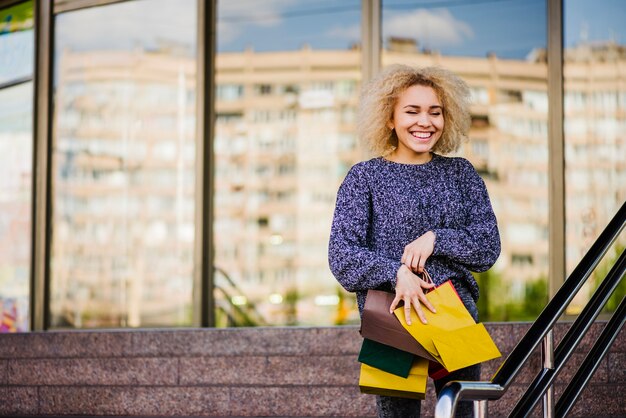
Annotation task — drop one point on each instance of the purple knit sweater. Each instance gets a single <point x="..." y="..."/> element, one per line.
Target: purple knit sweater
<point x="382" y="206"/>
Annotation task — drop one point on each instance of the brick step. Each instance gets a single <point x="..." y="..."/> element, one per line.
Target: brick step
<point x="251" y="372"/>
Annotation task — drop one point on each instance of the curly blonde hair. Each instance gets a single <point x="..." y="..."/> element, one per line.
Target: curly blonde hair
<point x="379" y="96"/>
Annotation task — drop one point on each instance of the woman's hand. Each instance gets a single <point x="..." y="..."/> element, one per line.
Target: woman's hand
<point x="417" y="252"/>
<point x="409" y="289"/>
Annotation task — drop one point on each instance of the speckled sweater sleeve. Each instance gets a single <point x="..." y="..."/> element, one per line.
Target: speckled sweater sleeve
<point x="355" y="266"/>
<point x="477" y="244"/>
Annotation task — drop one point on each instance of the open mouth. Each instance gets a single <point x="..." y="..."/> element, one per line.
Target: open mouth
<point x="422" y="135"/>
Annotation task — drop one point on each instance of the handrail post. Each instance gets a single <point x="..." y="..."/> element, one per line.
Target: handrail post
<point x="547" y="356"/>
<point x="480" y="409"/>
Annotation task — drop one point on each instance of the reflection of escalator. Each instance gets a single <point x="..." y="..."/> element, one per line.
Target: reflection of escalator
<point x="232" y="308"/>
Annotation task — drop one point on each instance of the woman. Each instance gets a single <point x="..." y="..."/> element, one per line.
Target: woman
<point x="411" y="208"/>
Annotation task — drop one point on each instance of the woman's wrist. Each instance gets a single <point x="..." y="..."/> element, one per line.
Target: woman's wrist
<point x="403" y="270"/>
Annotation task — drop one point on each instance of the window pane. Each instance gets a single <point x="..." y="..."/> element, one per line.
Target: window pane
<point x="16" y="159"/>
<point x="124" y="165"/>
<point x="287" y="83"/>
<point x="499" y="50"/>
<point x="16" y="43"/>
<point x="595" y="131"/>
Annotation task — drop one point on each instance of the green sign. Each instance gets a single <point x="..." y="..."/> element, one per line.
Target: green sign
<point x="17" y="18"/>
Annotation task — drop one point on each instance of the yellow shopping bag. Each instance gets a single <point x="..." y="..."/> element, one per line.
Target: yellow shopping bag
<point x="451" y="335"/>
<point x="465" y="346"/>
<point x="377" y="382"/>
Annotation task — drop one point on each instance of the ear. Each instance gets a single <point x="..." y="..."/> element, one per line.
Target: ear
<point x="390" y="125"/>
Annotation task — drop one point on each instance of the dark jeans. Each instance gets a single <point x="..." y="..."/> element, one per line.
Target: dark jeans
<point x="391" y="407"/>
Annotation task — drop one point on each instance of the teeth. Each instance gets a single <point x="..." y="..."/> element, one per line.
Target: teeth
<point x="422" y="135"/>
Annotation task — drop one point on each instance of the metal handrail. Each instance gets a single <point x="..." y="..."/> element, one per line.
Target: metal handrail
<point x="571" y="339"/>
<point x="495" y="389"/>
<point x="592" y="361"/>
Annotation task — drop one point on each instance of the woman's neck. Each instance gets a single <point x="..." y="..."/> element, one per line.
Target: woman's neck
<point x="414" y="158"/>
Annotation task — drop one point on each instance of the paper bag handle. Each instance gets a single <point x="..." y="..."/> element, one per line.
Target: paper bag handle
<point x="426" y="277"/>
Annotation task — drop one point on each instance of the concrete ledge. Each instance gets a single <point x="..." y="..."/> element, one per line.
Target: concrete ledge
<point x="242" y="372"/>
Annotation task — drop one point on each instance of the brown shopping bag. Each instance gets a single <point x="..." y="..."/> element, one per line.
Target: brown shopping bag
<point x="377" y="382"/>
<point x="377" y="324"/>
<point x="451" y="335"/>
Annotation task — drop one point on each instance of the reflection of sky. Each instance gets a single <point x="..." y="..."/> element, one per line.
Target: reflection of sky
<point x="510" y="28"/>
<point x="142" y="24"/>
<point x="126" y="25"/>
<point x="16" y="108"/>
<point x="287" y="24"/>
<point x="16" y="55"/>
<point x="592" y="20"/>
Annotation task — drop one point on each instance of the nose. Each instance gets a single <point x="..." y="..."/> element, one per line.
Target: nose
<point x="423" y="119"/>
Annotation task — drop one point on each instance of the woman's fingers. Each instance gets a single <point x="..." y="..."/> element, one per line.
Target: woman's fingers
<point x="409" y="290"/>
<point x="415" y="262"/>
<point x="407" y="310"/>
<point x="418" y="310"/>
<point x="395" y="302"/>
<point x="409" y="259"/>
<point x="415" y="303"/>
<point x="426" y="303"/>
<point x="426" y="285"/>
<point x="420" y="265"/>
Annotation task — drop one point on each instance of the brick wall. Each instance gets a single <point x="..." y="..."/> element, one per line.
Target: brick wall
<point x="239" y="372"/>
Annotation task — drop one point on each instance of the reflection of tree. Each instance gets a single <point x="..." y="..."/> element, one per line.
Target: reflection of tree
<point x="485" y="280"/>
<point x="343" y="310"/>
<point x="535" y="297"/>
<point x="494" y="305"/>
<point x="291" y="306"/>
<point x="602" y="271"/>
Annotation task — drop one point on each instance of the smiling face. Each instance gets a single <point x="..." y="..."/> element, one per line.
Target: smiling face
<point x="418" y="121"/>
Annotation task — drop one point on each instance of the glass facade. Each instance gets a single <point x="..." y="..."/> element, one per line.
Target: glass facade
<point x="287" y="81"/>
<point x="595" y="131"/>
<point x="123" y="165"/>
<point x="506" y="67"/>
<point x="16" y="159"/>
<point x="122" y="244"/>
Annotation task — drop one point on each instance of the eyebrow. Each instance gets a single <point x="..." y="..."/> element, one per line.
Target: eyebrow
<point x="419" y="107"/>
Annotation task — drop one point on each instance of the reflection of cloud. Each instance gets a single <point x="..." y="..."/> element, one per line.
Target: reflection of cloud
<point x="128" y="24"/>
<point x="350" y="33"/>
<point x="227" y="32"/>
<point x="433" y="29"/>
<point x="234" y="16"/>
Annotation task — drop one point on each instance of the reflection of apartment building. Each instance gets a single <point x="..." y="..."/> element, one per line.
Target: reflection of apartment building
<point x="284" y="139"/>
<point x="123" y="181"/>
<point x="508" y="146"/>
<point x="308" y="98"/>
<point x="595" y="148"/>
<point x="16" y="150"/>
<point x="15" y="222"/>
